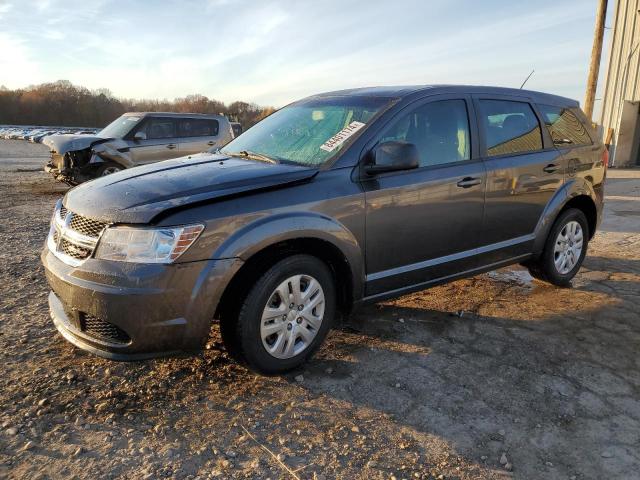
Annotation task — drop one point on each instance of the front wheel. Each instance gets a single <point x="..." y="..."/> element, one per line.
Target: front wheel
<point x="564" y="250"/>
<point x="285" y="316"/>
<point x="107" y="168"/>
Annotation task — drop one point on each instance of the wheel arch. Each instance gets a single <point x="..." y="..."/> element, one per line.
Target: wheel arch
<point x="586" y="204"/>
<point x="117" y="152"/>
<point x="260" y="246"/>
<point x="578" y="195"/>
<point x="258" y="263"/>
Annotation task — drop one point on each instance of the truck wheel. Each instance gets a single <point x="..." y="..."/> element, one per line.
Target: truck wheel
<point x="107" y="168"/>
<point x="564" y="250"/>
<point x="285" y="316"/>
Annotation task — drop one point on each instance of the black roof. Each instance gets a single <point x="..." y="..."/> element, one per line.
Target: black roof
<point x="403" y="91"/>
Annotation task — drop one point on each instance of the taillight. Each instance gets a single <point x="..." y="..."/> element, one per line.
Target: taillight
<point x="605" y="158"/>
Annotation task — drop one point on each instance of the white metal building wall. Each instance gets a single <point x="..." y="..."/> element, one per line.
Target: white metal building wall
<point x="623" y="73"/>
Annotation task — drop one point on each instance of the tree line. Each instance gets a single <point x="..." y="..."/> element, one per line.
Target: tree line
<point x="63" y="104"/>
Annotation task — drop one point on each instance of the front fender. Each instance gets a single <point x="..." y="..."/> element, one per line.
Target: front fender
<point x="265" y="232"/>
<point x="116" y="151"/>
<point x="573" y="188"/>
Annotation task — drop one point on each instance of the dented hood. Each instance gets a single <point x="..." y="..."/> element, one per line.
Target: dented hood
<point x="139" y="194"/>
<point x="67" y="143"/>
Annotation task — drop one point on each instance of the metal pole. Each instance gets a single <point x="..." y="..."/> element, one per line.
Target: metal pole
<point x="596" y="54"/>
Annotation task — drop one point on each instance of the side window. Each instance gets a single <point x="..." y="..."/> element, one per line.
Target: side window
<point x="509" y="127"/>
<point x="197" y="127"/>
<point x="158" y="128"/>
<point x="565" y="128"/>
<point x="439" y="129"/>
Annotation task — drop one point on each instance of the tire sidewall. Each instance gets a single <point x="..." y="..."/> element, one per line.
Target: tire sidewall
<point x="248" y="330"/>
<point x="550" y="267"/>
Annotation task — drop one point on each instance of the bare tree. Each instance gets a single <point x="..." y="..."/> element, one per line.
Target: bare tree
<point x="63" y="104"/>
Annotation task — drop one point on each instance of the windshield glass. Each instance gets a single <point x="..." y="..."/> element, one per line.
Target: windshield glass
<point x="309" y="132"/>
<point x="119" y="127"/>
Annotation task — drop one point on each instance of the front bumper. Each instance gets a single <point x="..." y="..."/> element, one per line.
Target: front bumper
<point x="125" y="311"/>
<point x="55" y="166"/>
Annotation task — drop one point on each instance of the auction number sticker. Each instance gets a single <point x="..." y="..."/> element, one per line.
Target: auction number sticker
<point x="340" y="137"/>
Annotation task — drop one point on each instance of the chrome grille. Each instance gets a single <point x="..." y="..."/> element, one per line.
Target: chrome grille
<point x="86" y="226"/>
<point x="72" y="250"/>
<point x="101" y="329"/>
<point x="72" y="237"/>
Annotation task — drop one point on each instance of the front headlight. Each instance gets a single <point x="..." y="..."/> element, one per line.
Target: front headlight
<point x="146" y="245"/>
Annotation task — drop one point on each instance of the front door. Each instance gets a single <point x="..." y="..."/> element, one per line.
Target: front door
<point x="161" y="142"/>
<point x="423" y="224"/>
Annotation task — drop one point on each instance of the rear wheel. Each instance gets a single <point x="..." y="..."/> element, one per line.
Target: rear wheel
<point x="564" y="250"/>
<point x="285" y="316"/>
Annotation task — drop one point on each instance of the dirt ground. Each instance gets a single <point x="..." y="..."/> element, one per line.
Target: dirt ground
<point x="492" y="377"/>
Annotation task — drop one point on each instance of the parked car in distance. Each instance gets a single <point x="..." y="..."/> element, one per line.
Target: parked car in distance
<point x="32" y="133"/>
<point x="336" y="200"/>
<point x="131" y="140"/>
<point x="16" y="134"/>
<point x="37" y="138"/>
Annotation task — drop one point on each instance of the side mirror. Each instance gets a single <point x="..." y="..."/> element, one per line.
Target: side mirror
<point x="140" y="136"/>
<point x="392" y="157"/>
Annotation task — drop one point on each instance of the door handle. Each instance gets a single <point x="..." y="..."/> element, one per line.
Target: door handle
<point x="171" y="146"/>
<point x="467" y="182"/>
<point x="551" y="168"/>
<point x="211" y="143"/>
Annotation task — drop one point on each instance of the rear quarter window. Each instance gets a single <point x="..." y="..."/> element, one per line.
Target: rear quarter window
<point x="510" y="127"/>
<point x="198" y="127"/>
<point x="564" y="126"/>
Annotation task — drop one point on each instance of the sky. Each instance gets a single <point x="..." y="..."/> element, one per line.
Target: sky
<point x="275" y="51"/>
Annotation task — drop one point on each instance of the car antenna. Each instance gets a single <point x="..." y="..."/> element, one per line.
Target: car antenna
<point x="527" y="79"/>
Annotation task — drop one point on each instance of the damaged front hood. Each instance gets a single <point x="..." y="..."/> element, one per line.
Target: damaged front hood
<point x="68" y="143"/>
<point x="139" y="194"/>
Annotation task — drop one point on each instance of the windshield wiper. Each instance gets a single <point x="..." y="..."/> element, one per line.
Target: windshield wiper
<point x="253" y="156"/>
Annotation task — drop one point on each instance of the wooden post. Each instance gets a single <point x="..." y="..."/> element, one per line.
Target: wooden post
<point x="596" y="54"/>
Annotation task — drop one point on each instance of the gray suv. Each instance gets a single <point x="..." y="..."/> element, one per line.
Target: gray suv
<point x="334" y="201"/>
<point x="134" y="139"/>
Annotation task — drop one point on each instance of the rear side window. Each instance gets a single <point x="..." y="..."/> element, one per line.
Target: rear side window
<point x="510" y="127"/>
<point x="565" y="128"/>
<point x="197" y="127"/>
<point x="439" y="129"/>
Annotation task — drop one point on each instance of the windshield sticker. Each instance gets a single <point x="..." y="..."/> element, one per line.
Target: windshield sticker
<point x="340" y="137"/>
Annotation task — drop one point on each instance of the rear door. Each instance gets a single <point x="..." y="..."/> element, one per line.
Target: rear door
<point x="424" y="224"/>
<point x="198" y="134"/>
<point x="524" y="171"/>
<point x="570" y="135"/>
<point x="161" y="141"/>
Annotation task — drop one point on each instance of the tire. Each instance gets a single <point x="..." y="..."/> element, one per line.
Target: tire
<point x="545" y="267"/>
<point x="107" y="168"/>
<point x="248" y="338"/>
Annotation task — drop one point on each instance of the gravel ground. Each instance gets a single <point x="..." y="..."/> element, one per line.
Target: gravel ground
<point x="492" y="377"/>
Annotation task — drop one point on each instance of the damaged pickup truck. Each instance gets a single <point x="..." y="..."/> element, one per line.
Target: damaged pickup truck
<point x="134" y="139"/>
